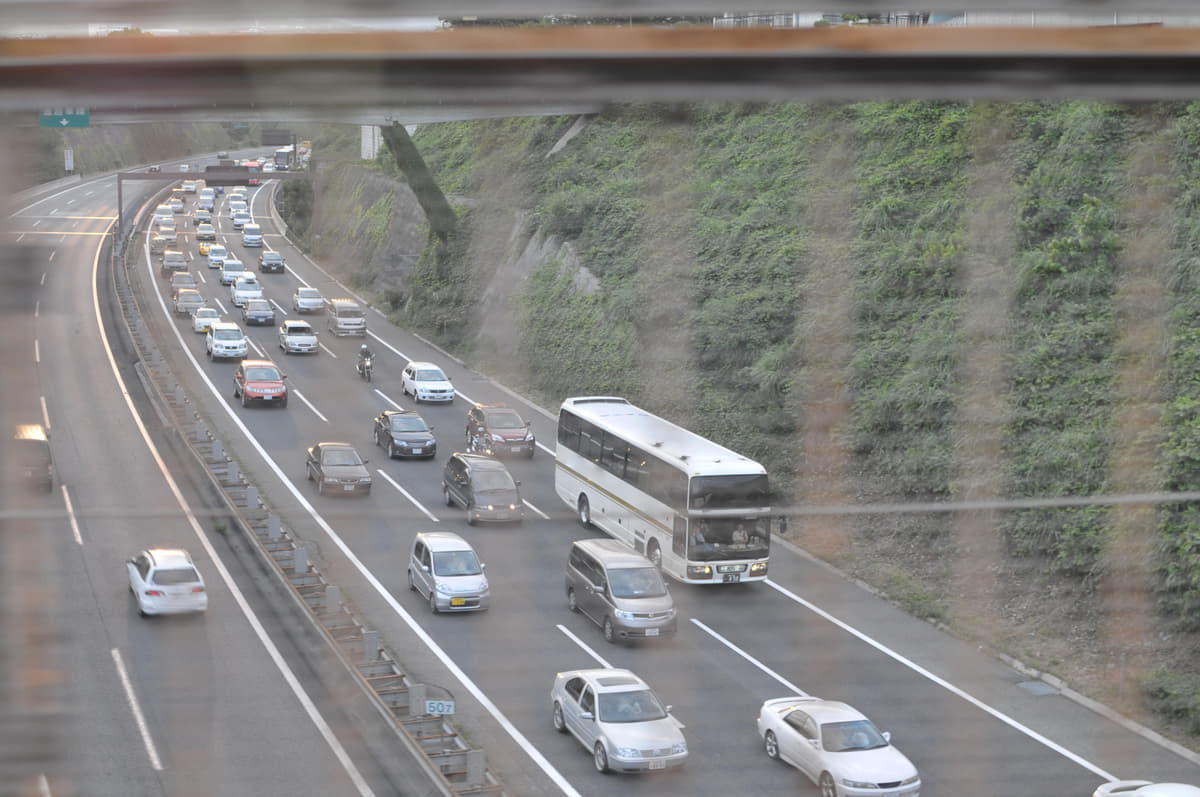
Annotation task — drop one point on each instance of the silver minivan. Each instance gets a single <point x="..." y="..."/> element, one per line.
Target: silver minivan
<point x="443" y="568"/>
<point x="619" y="590"/>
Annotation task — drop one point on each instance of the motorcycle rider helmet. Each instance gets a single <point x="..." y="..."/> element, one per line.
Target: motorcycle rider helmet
<point x="362" y="349"/>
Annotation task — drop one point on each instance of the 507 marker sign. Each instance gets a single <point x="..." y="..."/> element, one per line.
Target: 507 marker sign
<point x="65" y="117"/>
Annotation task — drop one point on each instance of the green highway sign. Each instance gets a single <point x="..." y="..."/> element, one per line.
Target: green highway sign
<point x="65" y="117"/>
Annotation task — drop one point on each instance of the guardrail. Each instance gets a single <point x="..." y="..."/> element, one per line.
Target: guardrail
<point x="453" y="766"/>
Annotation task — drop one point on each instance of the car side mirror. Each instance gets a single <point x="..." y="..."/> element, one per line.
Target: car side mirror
<point x="483" y="565"/>
<point x="365" y="461"/>
<point x="517" y="482"/>
<point x="425" y="568"/>
<point x="586" y="715"/>
<point x="667" y="709"/>
<point x="887" y="736"/>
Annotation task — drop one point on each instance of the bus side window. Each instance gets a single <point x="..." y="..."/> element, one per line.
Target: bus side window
<point x="679" y="536"/>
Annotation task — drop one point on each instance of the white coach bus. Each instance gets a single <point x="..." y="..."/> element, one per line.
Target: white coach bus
<point x="695" y="508"/>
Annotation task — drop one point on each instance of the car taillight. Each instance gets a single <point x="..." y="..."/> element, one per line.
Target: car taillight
<point x="197" y="589"/>
<point x="155" y="593"/>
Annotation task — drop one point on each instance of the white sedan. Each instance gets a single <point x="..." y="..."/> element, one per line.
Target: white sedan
<point x="203" y="317"/>
<point x="837" y="747"/>
<point x="297" y="337"/>
<point x="616" y="717"/>
<point x="1144" y="788"/>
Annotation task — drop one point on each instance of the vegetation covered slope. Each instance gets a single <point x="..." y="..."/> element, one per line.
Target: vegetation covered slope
<point x="918" y="304"/>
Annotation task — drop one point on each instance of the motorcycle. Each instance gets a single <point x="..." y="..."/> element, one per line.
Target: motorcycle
<point x="365" y="367"/>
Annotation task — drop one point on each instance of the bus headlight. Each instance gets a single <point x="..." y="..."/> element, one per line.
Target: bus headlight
<point x="699" y="571"/>
<point x="758" y="569"/>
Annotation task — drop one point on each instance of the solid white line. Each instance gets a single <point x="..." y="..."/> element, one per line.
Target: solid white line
<point x="543" y="515"/>
<point x="289" y="677"/>
<point x="586" y="648"/>
<point x="1007" y="720"/>
<point x="138" y="718"/>
<point x="316" y="412"/>
<point x="71" y="515"/>
<point x="389" y="347"/>
<point x="407" y="495"/>
<point x="708" y="630"/>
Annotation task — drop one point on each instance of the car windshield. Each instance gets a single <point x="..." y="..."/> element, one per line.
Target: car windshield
<point x="636" y="582"/>
<point x="430" y="375"/>
<point x="504" y="419"/>
<point x="261" y="373"/>
<point x="175" y="575"/>
<point x="842" y="737"/>
<point x="216" y="251"/>
<point x="259" y="304"/>
<point x="408" y="423"/>
<point x="293" y="329"/>
<point x="227" y="334"/>
<point x="272" y="257"/>
<point x="340" y="456"/>
<point x="640" y="706"/>
<point x="455" y="563"/>
<point x="493" y="481"/>
<point x="308" y="293"/>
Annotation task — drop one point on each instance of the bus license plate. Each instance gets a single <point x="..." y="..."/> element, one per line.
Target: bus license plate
<point x="731" y="578"/>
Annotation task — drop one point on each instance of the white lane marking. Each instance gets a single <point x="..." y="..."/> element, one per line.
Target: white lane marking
<point x="309" y="404"/>
<point x="586" y="648"/>
<point x="276" y="657"/>
<point x="218" y="301"/>
<point x="327" y="349"/>
<point x="37" y="352"/>
<point x="706" y="629"/>
<point x="71" y="516"/>
<point x="138" y="718"/>
<point x="45" y="413"/>
<point x="36" y="222"/>
<point x="43" y="280"/>
<point x="37" y="308"/>
<point x="43" y="786"/>
<point x="549" y="451"/>
<point x="912" y="665"/>
<point x="200" y="276"/>
<point x="541" y="514"/>
<point x="50" y="259"/>
<point x="385" y="397"/>
<point x="407" y="495"/>
<point x="279" y="307"/>
<point x="262" y="354"/>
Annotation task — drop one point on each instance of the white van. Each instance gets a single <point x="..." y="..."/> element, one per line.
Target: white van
<point x="252" y="235"/>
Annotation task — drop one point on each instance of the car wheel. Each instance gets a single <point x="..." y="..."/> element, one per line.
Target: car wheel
<point x="609" y="634"/>
<point x="654" y="554"/>
<point x="572" y="602"/>
<point x="411" y="584"/>
<point x="560" y="724"/>
<point x="771" y="744"/>
<point x="433" y="601"/>
<point x="828" y="788"/>
<point x="585" y="512"/>
<point x="446" y="495"/>
<point x="600" y="757"/>
<point x="391" y="450"/>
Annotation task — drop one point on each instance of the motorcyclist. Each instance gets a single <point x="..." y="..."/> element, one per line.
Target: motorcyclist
<point x="364" y="354"/>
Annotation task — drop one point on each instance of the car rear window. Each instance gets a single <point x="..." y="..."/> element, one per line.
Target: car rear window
<point x="176" y="575"/>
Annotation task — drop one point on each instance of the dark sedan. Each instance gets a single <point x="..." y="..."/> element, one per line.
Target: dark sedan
<point x="337" y="468"/>
<point x="404" y="433"/>
<point x="258" y="311"/>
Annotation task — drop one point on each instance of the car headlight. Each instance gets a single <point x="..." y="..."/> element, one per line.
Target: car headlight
<point x="679" y="747"/>
<point x="529" y="437"/>
<point x="364" y="480"/>
<point x="444" y="589"/>
<point x="914" y="778"/>
<point x="628" y="752"/>
<point x="497" y="438"/>
<point x="859" y="784"/>
<point x="623" y="614"/>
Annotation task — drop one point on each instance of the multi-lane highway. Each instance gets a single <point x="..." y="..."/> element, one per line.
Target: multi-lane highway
<point x="225" y="721"/>
<point x="203" y="705"/>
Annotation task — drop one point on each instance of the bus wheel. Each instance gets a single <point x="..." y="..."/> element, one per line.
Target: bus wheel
<point x="654" y="554"/>
<point x="585" y="512"/>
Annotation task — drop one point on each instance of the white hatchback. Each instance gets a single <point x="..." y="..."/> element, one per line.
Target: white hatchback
<point x="244" y="288"/>
<point x="216" y="255"/>
<point x="166" y="581"/>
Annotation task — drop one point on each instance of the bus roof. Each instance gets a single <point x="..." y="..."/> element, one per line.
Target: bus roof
<point x="698" y="455"/>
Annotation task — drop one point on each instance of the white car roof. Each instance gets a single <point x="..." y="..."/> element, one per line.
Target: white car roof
<point x="444" y="541"/>
<point x="822" y="711"/>
<point x="608" y="679"/>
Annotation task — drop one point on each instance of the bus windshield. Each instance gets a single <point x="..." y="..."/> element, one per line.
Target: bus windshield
<point x="728" y="491"/>
<point x="728" y="538"/>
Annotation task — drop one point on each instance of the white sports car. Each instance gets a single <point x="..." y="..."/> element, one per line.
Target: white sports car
<point x="837" y="747"/>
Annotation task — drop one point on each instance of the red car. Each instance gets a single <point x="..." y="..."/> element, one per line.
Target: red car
<point x="260" y="381"/>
